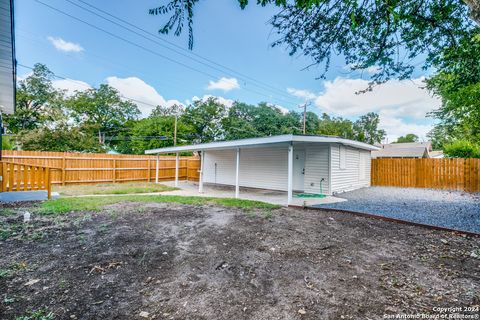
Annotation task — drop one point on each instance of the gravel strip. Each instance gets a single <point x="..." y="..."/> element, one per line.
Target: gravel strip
<point x="451" y="209"/>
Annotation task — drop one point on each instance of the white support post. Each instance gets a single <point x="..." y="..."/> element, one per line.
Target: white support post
<point x="202" y="161"/>
<point x="237" y="170"/>
<point x="157" y="168"/>
<point x="290" y="175"/>
<point x="177" y="158"/>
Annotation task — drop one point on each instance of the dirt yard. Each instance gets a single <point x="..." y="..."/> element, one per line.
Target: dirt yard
<point x="172" y="261"/>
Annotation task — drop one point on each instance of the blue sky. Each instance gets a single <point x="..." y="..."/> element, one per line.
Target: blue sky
<point x="237" y="39"/>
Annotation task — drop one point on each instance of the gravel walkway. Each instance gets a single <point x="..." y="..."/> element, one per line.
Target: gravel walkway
<point x="451" y="209"/>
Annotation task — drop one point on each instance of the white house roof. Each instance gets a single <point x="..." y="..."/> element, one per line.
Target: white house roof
<point x="256" y="142"/>
<point x="412" y="152"/>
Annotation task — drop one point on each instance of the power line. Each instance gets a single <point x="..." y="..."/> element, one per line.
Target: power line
<point x="88" y="86"/>
<point x="172" y="82"/>
<point x="183" y="115"/>
<point x="259" y="83"/>
<point x="138" y="45"/>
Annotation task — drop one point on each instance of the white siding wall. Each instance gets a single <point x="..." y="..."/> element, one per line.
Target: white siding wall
<point x="264" y="168"/>
<point x="267" y="168"/>
<point x="225" y="167"/>
<point x="349" y="178"/>
<point x="316" y="168"/>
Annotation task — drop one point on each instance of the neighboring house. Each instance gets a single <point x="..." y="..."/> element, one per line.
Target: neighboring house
<point x="286" y="162"/>
<point x="7" y="57"/>
<point x="436" y="154"/>
<point x="407" y="150"/>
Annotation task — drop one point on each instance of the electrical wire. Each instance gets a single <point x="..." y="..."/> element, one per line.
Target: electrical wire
<point x="138" y="45"/>
<point x="190" y="53"/>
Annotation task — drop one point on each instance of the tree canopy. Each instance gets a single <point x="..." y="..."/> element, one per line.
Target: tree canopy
<point x="100" y="119"/>
<point x="409" y="137"/>
<point x="388" y="36"/>
<point x="37" y="101"/>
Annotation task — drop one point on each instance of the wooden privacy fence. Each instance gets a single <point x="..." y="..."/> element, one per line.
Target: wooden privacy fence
<point x="78" y="168"/>
<point x="23" y="177"/>
<point x="451" y="174"/>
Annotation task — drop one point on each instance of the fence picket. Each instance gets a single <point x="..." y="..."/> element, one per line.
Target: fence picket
<point x="76" y="168"/>
<point x="452" y="174"/>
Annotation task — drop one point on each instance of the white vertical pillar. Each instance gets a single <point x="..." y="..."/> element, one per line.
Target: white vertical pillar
<point x="202" y="161"/>
<point x="290" y="175"/>
<point x="177" y="158"/>
<point x="237" y="170"/>
<point x="157" y="168"/>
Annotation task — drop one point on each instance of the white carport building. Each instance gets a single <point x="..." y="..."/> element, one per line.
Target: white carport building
<point x="291" y="163"/>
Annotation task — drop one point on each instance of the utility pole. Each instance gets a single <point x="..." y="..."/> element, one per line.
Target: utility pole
<point x="305" y="105"/>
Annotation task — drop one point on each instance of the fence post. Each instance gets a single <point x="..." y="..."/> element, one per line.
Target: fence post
<point x="49" y="183"/>
<point x="63" y="171"/>
<point x="148" y="171"/>
<point x="25" y="177"/>
<point x="114" y="170"/>
<point x="466" y="172"/>
<point x="1" y="175"/>
<point x="5" y="177"/>
<point x="11" y="177"/>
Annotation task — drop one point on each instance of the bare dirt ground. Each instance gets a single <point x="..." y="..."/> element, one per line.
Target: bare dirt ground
<point x="171" y="261"/>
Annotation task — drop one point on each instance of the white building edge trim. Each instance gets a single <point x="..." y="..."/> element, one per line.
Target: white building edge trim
<point x="255" y="142"/>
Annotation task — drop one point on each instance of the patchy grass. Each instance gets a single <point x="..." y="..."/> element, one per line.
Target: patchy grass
<point x="66" y="205"/>
<point x="112" y="188"/>
<point x="7" y="211"/>
<point x="9" y="229"/>
<point x="12" y="269"/>
<point x="37" y="315"/>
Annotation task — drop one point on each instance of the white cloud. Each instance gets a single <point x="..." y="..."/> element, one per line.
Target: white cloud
<point x="143" y="95"/>
<point x="402" y="104"/>
<point x="70" y="86"/>
<point x="396" y="127"/>
<point x="299" y="93"/>
<point x="279" y="107"/>
<point x="226" y="102"/>
<point x="225" y="84"/>
<point x="65" y="46"/>
<point x="399" y="97"/>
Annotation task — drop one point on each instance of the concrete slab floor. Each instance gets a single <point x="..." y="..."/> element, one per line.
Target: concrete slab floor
<point x="189" y="188"/>
<point x="26" y="196"/>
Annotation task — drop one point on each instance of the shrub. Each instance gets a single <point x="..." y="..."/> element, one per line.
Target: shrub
<point x="461" y="149"/>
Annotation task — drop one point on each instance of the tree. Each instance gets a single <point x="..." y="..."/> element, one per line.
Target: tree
<point x="239" y="122"/>
<point x="409" y="137"/>
<point x="339" y="127"/>
<point x="205" y="118"/>
<point x="102" y="109"/>
<point x="312" y="123"/>
<point x="37" y="101"/>
<point x="172" y="110"/>
<point x="385" y="35"/>
<point x="62" y="138"/>
<point x="366" y="129"/>
<point x="457" y="83"/>
<point x="461" y="149"/>
<point x="154" y="132"/>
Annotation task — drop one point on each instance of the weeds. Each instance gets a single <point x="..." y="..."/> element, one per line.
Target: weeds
<point x="251" y="214"/>
<point x="37" y="315"/>
<point x="8" y="212"/>
<point x="268" y="215"/>
<point x="12" y="269"/>
<point x="8" y="230"/>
